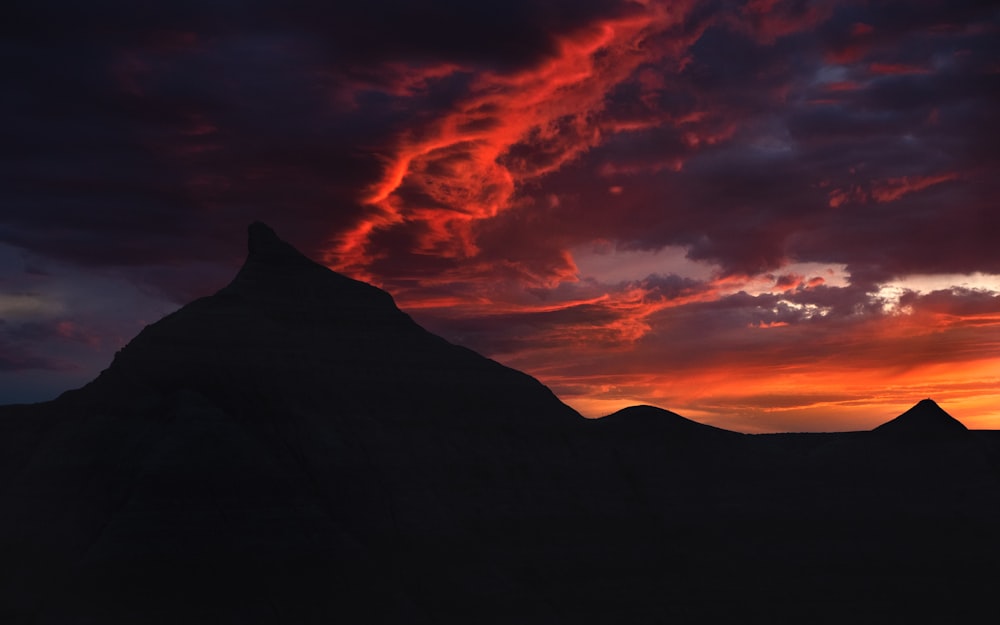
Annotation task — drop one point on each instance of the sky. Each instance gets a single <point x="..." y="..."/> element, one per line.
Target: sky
<point x="772" y="215"/>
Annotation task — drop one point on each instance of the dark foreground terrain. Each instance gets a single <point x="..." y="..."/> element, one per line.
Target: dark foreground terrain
<point x="294" y="449"/>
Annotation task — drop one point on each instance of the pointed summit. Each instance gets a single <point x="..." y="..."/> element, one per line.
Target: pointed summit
<point x="925" y="418"/>
<point x="264" y="247"/>
<point x="276" y="275"/>
<point x="263" y="242"/>
<point x="260" y="235"/>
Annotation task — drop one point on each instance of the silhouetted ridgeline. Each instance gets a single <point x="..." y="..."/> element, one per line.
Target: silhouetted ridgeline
<point x="295" y="449"/>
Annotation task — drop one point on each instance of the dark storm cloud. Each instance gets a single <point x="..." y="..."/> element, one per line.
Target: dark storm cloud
<point x="785" y="154"/>
<point x="178" y="123"/>
<point x="957" y="302"/>
<point x="18" y="344"/>
<point x="153" y="162"/>
<point x="15" y="357"/>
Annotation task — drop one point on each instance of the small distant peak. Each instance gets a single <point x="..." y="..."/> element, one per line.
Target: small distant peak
<point x="640" y="409"/>
<point x="646" y="418"/>
<point x="925" y="417"/>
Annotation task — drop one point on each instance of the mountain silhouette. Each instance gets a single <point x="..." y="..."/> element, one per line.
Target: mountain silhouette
<point x="295" y="449"/>
<point x="924" y="418"/>
<point x="650" y="421"/>
<point x="288" y="333"/>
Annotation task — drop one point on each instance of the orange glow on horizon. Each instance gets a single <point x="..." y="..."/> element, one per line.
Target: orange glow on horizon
<point x="817" y="399"/>
<point x="867" y="374"/>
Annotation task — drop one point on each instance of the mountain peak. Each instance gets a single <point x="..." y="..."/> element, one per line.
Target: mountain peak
<point x="925" y="417"/>
<point x="261" y="236"/>
<point x="277" y="275"/>
<point x="264" y="244"/>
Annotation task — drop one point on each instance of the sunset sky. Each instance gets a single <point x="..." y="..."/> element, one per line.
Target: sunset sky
<point x="773" y="215"/>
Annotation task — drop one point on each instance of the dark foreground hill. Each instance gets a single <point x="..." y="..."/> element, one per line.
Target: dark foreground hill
<point x="294" y="449"/>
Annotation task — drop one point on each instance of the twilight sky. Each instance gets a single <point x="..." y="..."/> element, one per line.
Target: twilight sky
<point x="769" y="215"/>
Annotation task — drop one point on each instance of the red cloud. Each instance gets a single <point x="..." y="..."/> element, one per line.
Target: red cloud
<point x="837" y="197"/>
<point x="71" y="331"/>
<point x="855" y="46"/>
<point x="769" y="20"/>
<point x="843" y="85"/>
<point x="860" y="29"/>
<point x="895" y="69"/>
<point x="467" y="164"/>
<point x="895" y="188"/>
<point x="888" y="190"/>
<point x="788" y="282"/>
